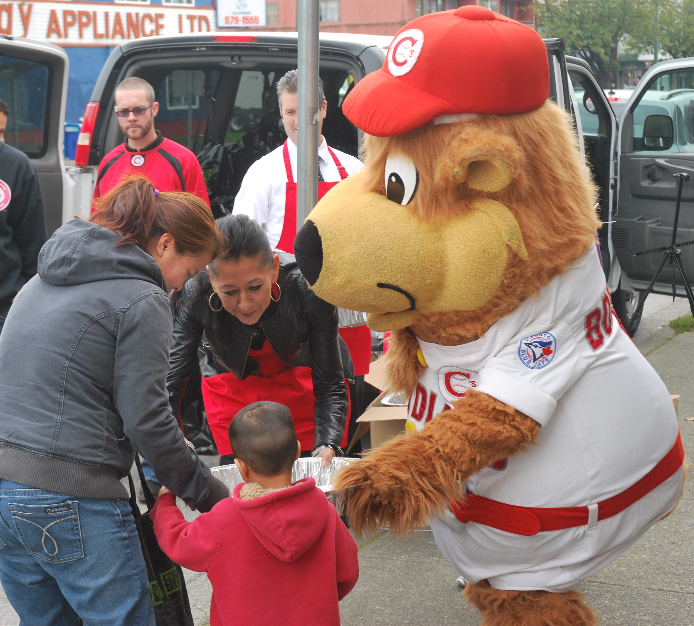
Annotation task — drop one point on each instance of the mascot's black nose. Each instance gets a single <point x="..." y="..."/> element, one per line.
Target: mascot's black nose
<point x="308" y="250"/>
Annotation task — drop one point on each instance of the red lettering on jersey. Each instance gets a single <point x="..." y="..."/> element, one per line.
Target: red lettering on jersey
<point x="607" y="314"/>
<point x="457" y="382"/>
<point x="432" y="404"/>
<point x="597" y="318"/>
<point x="420" y="403"/>
<point x="593" y="333"/>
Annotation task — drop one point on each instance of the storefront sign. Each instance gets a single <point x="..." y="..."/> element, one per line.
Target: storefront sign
<point x="99" y="23"/>
<point x="241" y="13"/>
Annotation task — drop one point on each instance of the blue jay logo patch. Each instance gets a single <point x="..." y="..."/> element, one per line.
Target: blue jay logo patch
<point x="537" y="351"/>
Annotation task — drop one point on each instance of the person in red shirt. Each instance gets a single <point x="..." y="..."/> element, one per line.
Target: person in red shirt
<point x="275" y="553"/>
<point x="169" y="165"/>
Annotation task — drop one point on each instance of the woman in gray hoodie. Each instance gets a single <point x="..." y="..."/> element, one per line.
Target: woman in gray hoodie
<point x="84" y="356"/>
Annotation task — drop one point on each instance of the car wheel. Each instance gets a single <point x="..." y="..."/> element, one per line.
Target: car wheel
<point x="625" y="303"/>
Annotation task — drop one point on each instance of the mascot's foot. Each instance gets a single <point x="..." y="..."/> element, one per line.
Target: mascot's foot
<point x="529" y="608"/>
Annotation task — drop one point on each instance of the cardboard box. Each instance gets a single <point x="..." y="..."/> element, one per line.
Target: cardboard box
<point x="384" y="422"/>
<point x="377" y="373"/>
<point x="676" y="404"/>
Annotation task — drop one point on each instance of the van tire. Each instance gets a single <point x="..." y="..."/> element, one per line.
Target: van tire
<point x="625" y="303"/>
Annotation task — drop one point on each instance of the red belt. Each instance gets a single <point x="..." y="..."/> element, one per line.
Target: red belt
<point x="528" y="521"/>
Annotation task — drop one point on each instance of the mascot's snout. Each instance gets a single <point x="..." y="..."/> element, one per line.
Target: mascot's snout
<point x="413" y="267"/>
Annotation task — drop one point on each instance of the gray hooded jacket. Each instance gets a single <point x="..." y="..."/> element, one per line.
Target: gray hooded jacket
<point x="84" y="356"/>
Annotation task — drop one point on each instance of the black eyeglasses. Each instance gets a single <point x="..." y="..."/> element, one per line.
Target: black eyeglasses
<point x="137" y="111"/>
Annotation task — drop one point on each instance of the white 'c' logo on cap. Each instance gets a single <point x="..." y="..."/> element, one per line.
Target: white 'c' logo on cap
<point x="404" y="51"/>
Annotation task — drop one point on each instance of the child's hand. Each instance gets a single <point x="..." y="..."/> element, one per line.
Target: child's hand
<point x="162" y="491"/>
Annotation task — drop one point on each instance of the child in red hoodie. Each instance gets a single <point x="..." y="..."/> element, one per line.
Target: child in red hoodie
<point x="275" y="553"/>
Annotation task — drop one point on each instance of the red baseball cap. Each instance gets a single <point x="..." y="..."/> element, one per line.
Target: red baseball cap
<point x="468" y="60"/>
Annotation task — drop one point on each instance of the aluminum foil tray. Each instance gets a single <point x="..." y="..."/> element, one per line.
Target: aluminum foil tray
<point x="347" y="318"/>
<point x="303" y="468"/>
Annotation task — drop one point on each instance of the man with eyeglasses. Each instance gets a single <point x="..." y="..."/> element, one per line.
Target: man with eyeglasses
<point x="169" y="165"/>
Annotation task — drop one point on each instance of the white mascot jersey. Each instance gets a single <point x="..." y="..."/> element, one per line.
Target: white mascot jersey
<point x="606" y="420"/>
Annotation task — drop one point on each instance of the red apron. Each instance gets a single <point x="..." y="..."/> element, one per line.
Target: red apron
<point x="286" y="242"/>
<point x="358" y="339"/>
<point x="225" y="395"/>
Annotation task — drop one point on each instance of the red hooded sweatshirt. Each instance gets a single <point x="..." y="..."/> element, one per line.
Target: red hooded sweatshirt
<point x="282" y="558"/>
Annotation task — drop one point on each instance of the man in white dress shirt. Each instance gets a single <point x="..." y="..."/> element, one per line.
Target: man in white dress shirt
<point x="268" y="191"/>
<point x="268" y="195"/>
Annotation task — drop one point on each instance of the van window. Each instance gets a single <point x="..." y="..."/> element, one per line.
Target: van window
<point x="255" y="120"/>
<point x="595" y="116"/>
<point x="672" y="95"/>
<point x="229" y="116"/>
<point x="182" y="104"/>
<point x="253" y="95"/>
<point x="24" y="87"/>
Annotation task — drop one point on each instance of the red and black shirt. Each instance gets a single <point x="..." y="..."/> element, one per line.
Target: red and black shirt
<point x="169" y="166"/>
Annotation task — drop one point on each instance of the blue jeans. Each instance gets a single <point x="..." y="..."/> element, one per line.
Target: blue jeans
<point x="63" y="556"/>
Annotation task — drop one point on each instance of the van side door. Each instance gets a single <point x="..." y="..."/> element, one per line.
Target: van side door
<point x="656" y="142"/>
<point x="33" y="83"/>
<point x="597" y="128"/>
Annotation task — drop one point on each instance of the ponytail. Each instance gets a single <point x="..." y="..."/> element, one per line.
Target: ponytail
<point x="243" y="238"/>
<point x="140" y="215"/>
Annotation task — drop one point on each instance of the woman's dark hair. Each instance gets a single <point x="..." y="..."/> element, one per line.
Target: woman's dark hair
<point x="262" y="435"/>
<point x="133" y="210"/>
<point x="242" y="238"/>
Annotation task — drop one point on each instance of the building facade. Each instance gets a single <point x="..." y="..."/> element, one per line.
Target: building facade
<point x="385" y="17"/>
<point x="89" y="30"/>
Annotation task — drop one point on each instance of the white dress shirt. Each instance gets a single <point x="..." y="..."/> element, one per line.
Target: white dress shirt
<point x="263" y="190"/>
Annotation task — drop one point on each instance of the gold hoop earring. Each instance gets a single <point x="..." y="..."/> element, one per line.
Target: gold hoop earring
<point x="272" y="292"/>
<point x="214" y="293"/>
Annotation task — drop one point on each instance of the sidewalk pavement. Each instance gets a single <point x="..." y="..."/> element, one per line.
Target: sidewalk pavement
<point x="652" y="584"/>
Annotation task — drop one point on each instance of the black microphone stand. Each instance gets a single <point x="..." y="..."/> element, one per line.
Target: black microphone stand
<point x="672" y="254"/>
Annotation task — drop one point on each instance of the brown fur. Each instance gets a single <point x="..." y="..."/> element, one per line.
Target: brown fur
<point x="529" y="608"/>
<point x="404" y="483"/>
<point x="411" y="478"/>
<point x="553" y="207"/>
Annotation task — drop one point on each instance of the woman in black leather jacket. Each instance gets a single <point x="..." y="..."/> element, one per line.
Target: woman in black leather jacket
<point x="260" y="334"/>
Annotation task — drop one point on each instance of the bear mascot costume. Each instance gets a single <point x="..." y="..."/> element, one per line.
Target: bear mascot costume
<point x="540" y="443"/>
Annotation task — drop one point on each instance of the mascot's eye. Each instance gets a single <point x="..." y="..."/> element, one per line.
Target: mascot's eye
<point x="401" y="179"/>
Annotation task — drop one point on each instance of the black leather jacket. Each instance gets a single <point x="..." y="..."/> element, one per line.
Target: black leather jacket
<point x="302" y="331"/>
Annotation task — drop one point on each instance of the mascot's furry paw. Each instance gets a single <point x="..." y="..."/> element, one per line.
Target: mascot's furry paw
<point x="413" y="477"/>
<point x="399" y="485"/>
<point x="529" y="608"/>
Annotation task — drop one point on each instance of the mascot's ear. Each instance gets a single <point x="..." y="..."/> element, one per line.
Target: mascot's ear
<point x="481" y="159"/>
<point x="490" y="174"/>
